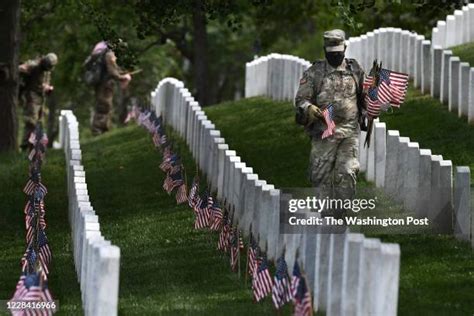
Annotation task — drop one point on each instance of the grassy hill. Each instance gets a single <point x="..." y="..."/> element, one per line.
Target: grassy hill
<point x="437" y="272"/>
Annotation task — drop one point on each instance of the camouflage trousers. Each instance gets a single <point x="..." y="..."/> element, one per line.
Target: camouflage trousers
<point x="31" y="114"/>
<point x="102" y="117"/>
<point x="334" y="166"/>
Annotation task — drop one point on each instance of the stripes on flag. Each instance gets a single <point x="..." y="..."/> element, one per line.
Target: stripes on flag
<point x="202" y="213"/>
<point x="301" y="294"/>
<point x="328" y="114"/>
<point x="181" y="194"/>
<point x="281" y="290"/>
<point x="262" y="281"/>
<point x="223" y="243"/>
<point x="252" y="257"/>
<point x="193" y="192"/>
<point x="215" y="221"/>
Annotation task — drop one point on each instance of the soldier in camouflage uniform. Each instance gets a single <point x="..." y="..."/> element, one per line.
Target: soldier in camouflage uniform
<point x="35" y="77"/>
<point x="104" y="91"/>
<point x="338" y="81"/>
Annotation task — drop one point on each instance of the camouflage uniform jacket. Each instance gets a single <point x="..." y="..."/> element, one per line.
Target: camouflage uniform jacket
<point x="321" y="85"/>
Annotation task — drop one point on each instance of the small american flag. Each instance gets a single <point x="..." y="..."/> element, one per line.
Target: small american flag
<point x="302" y="299"/>
<point x="328" y="114"/>
<point x="29" y="259"/>
<point x="215" y="214"/>
<point x="393" y="87"/>
<point x="30" y="288"/>
<point x="181" y="195"/>
<point x="223" y="243"/>
<point x="193" y="192"/>
<point x="300" y="292"/>
<point x="262" y="281"/>
<point x="21" y="289"/>
<point x="44" y="251"/>
<point x="202" y="213"/>
<point x="295" y="279"/>
<point x="236" y="244"/>
<point x="252" y="257"/>
<point x="173" y="181"/>
<point x="281" y="291"/>
<point x="373" y="103"/>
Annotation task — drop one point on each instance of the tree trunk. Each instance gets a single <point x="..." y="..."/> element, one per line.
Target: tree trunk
<point x="9" y="37"/>
<point x="201" y="61"/>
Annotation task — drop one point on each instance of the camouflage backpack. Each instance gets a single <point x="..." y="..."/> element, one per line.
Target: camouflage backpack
<point x="95" y="68"/>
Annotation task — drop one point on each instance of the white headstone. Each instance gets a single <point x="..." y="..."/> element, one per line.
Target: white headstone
<point x="462" y="203"/>
<point x="453" y="102"/>
<point x="436" y="61"/>
<point x="380" y="147"/>
<point x="444" y="86"/>
<point x="464" y="72"/>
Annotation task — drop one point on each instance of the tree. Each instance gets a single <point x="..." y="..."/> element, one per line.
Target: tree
<point x="9" y="37"/>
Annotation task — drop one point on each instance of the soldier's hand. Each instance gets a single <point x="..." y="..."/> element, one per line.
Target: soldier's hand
<point x="314" y="114"/>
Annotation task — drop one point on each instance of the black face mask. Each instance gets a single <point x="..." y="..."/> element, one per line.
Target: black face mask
<point x="335" y="58"/>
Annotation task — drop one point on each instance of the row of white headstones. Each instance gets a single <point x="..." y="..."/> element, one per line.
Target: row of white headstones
<point x="457" y="29"/>
<point x="96" y="260"/>
<point x="347" y="273"/>
<point x="417" y="178"/>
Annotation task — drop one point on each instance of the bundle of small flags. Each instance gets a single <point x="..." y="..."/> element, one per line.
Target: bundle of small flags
<point x="171" y="164"/>
<point x="383" y="89"/>
<point x="210" y="215"/>
<point x="36" y="260"/>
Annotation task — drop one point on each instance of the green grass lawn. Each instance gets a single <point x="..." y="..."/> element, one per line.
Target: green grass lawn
<point x="62" y="279"/>
<point x="437" y="272"/>
<point x="465" y="52"/>
<point x="428" y="122"/>
<point x="167" y="267"/>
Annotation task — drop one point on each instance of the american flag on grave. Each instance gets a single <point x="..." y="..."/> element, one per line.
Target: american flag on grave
<point x="295" y="279"/>
<point x="182" y="194"/>
<point x="172" y="181"/>
<point x="31" y="288"/>
<point x="20" y="289"/>
<point x="223" y="243"/>
<point x="236" y="244"/>
<point x="328" y="114"/>
<point x="201" y="212"/>
<point x="302" y="298"/>
<point x="281" y="290"/>
<point x="168" y="162"/>
<point x="215" y="211"/>
<point x="28" y="260"/>
<point x="262" y="281"/>
<point x="31" y="187"/>
<point x="156" y="139"/>
<point x="252" y="257"/>
<point x="44" y="251"/>
<point x="193" y="192"/>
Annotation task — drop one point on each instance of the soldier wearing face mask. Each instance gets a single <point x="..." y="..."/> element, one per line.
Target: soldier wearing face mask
<point x="337" y="81"/>
<point x="35" y="77"/>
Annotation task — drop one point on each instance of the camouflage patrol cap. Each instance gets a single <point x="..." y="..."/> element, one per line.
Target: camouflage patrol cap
<point x="334" y="40"/>
<point x="51" y="58"/>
